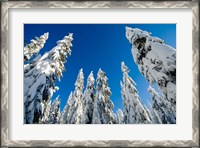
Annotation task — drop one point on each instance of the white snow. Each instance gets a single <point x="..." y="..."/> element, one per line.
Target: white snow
<point x="161" y="108"/>
<point x="39" y="79"/>
<point x="35" y="46"/>
<point x="156" y="61"/>
<point x="134" y="112"/>
<point x="54" y="113"/>
<point x="103" y="106"/>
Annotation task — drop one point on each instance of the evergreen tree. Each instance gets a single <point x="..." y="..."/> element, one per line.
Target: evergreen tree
<point x="156" y="61"/>
<point x="134" y="112"/>
<point x="155" y="117"/>
<point x="67" y="109"/>
<point x="54" y="113"/>
<point x="76" y="114"/>
<point x="88" y="100"/>
<point x="148" y="113"/>
<point x="161" y="107"/>
<point x="103" y="106"/>
<point x="35" y="46"/>
<point x="39" y="79"/>
<point x="120" y="117"/>
<point x="45" y="114"/>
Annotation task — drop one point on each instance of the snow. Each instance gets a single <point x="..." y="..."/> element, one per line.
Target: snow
<point x="35" y="46"/>
<point x="120" y="117"/>
<point x="54" y="113"/>
<point x="67" y="109"/>
<point x="40" y="76"/>
<point x="77" y="112"/>
<point x="103" y="106"/>
<point x="156" y="61"/>
<point x="134" y="112"/>
<point x="88" y="100"/>
<point x="162" y="110"/>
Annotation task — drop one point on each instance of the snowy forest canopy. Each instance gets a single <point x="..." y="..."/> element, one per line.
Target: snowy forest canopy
<point x="92" y="104"/>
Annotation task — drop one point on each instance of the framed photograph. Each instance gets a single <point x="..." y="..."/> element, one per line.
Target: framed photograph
<point x="99" y="73"/>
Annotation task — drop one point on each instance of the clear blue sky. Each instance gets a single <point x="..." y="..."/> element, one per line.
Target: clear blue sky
<point x="99" y="46"/>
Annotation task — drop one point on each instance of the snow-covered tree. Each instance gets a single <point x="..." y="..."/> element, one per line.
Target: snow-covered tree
<point x="155" y="117"/>
<point x="54" y="113"/>
<point x="134" y="112"/>
<point x="45" y="113"/>
<point x="35" y="46"/>
<point x="162" y="108"/>
<point x="156" y="61"/>
<point x="148" y="112"/>
<point x="77" y="112"/>
<point x="88" y="100"/>
<point x="120" y="117"/>
<point x="103" y="106"/>
<point x="67" y="109"/>
<point x="39" y="79"/>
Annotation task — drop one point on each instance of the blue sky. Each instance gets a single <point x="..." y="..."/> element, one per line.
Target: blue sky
<point x="99" y="46"/>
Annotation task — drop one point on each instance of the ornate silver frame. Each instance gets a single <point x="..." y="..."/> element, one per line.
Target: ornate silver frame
<point x="5" y="5"/>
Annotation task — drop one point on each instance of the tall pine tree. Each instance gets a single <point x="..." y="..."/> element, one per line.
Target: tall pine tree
<point x="64" y="119"/>
<point x="134" y="112"/>
<point x="39" y="79"/>
<point x="35" y="46"/>
<point x="54" y="114"/>
<point x="103" y="106"/>
<point x="120" y="117"/>
<point x="156" y="61"/>
<point x="76" y="114"/>
<point x="161" y="107"/>
<point x="88" y="100"/>
<point x="46" y="111"/>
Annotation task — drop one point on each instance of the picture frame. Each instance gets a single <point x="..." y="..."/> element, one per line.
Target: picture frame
<point x="7" y="5"/>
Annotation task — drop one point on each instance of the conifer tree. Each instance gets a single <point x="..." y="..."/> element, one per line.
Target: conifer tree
<point x="76" y="114"/>
<point x="162" y="108"/>
<point x="156" y="61"/>
<point x="134" y="112"/>
<point x="67" y="110"/>
<point x="39" y="79"/>
<point x="120" y="117"/>
<point x="45" y="112"/>
<point x="155" y="117"/>
<point x="103" y="106"/>
<point x="35" y="46"/>
<point x="54" y="113"/>
<point x="88" y="100"/>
